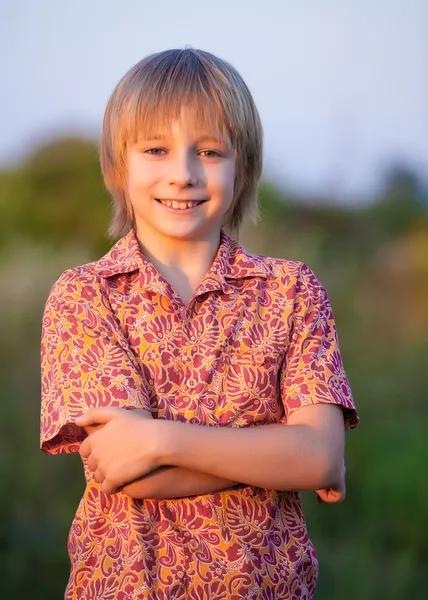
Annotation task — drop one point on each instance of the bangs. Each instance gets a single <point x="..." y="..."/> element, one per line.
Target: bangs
<point x="148" y="120"/>
<point x="164" y="90"/>
<point x="156" y="92"/>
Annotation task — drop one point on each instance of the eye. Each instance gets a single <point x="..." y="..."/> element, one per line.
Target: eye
<point x="155" y="151"/>
<point x="211" y="153"/>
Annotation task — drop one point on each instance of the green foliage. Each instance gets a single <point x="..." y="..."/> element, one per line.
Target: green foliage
<point x="402" y="203"/>
<point x="57" y="197"/>
<point x="55" y="213"/>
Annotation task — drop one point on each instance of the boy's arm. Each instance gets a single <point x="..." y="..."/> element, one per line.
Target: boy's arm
<point x="175" y="482"/>
<point x="305" y="454"/>
<point x="171" y="482"/>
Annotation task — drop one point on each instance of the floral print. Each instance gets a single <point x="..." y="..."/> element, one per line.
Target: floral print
<point x="256" y="342"/>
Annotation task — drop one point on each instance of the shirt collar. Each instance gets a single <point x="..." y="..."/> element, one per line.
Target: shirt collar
<point x="232" y="262"/>
<point x="124" y="257"/>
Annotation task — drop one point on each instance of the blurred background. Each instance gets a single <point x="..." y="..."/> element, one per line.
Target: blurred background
<point x="342" y="88"/>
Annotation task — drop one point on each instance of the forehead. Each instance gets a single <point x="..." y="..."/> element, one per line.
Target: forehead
<point x="186" y="126"/>
<point x="196" y="116"/>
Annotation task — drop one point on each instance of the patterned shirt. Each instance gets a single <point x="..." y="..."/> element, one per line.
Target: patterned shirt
<point x="256" y="342"/>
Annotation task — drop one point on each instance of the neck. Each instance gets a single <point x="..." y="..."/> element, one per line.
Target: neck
<point x="183" y="263"/>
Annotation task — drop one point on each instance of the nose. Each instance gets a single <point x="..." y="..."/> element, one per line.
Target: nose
<point x="183" y="170"/>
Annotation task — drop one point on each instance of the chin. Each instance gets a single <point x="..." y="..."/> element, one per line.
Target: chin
<point x="189" y="232"/>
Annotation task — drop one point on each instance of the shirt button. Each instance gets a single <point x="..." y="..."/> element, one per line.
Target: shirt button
<point x="194" y="545"/>
<point x="259" y="358"/>
<point x="192" y="383"/>
<point x="181" y="574"/>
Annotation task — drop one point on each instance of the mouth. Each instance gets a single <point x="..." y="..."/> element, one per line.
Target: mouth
<point x="180" y="204"/>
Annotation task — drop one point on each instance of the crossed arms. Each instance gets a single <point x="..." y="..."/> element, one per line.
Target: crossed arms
<point x="151" y="458"/>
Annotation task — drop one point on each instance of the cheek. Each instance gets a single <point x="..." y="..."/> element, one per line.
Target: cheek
<point x="227" y="180"/>
<point x="140" y="175"/>
<point x="133" y="173"/>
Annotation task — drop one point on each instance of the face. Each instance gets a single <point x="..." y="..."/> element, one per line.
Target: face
<point x="181" y="182"/>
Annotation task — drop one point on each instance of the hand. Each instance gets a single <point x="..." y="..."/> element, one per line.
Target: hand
<point x="337" y="494"/>
<point x="124" y="449"/>
<point x="93" y="428"/>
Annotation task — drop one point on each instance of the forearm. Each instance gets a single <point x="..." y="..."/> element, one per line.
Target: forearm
<point x="305" y="454"/>
<point x="171" y="482"/>
<point x="279" y="457"/>
<point x="175" y="482"/>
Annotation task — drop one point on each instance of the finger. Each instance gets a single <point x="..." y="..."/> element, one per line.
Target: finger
<point x="328" y="496"/>
<point x="85" y="448"/>
<point x="99" y="476"/>
<point x="93" y="428"/>
<point x="334" y="496"/>
<point x="322" y="495"/>
<point x="91" y="463"/>
<point x="336" y="499"/>
<point x="109" y="486"/>
<point x="96" y="416"/>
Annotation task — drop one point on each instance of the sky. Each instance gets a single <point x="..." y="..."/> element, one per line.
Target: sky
<point x="341" y="85"/>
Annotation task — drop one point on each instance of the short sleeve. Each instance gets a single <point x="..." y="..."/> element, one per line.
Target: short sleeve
<point x="83" y="365"/>
<point x="313" y="370"/>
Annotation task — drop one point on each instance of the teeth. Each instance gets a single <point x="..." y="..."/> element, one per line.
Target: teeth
<point x="179" y="205"/>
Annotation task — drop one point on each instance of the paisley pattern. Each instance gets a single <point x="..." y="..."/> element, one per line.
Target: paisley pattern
<point x="256" y="342"/>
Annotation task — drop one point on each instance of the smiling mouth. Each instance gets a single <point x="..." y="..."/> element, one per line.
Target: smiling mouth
<point x="180" y="205"/>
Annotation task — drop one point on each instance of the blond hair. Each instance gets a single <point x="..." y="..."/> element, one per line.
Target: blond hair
<point x="153" y="93"/>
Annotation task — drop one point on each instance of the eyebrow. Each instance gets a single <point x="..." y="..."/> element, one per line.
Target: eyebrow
<point x="210" y="138"/>
<point x="155" y="136"/>
<point x="205" y="137"/>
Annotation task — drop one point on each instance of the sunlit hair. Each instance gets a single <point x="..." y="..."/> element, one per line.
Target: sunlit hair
<point x="152" y="95"/>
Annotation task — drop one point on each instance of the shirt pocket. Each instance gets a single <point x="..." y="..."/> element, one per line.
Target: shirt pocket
<point x="250" y="390"/>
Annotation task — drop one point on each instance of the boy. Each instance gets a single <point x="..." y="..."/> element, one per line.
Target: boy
<point x="230" y="361"/>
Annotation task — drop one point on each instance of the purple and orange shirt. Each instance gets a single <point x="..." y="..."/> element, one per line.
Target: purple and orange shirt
<point x="256" y="342"/>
